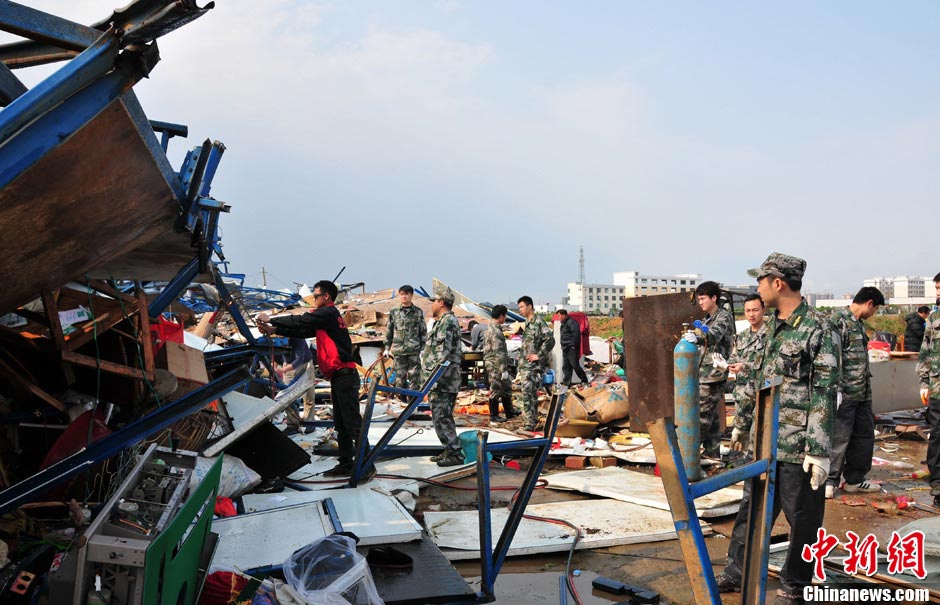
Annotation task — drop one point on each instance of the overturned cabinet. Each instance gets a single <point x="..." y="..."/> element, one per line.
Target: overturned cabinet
<point x="150" y="543"/>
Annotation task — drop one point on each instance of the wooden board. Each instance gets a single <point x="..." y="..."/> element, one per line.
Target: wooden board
<point x="97" y="196"/>
<point x="639" y="488"/>
<point x="603" y="522"/>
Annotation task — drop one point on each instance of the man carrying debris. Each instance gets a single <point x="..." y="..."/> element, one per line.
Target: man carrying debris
<point x="714" y="346"/>
<point x="335" y="360"/>
<point x="534" y="360"/>
<point x="928" y="369"/>
<point x="853" y="440"/>
<point x="404" y="339"/>
<point x="443" y="344"/>
<point x="800" y="351"/>
<point x="496" y="361"/>
<point x="745" y="362"/>
<point x="570" y="348"/>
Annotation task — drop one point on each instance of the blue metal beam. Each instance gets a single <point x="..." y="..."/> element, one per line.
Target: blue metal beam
<point x="48" y="131"/>
<point x="37" y="25"/>
<point x="10" y="86"/>
<point x="110" y="445"/>
<point x="727" y="478"/>
<point x="80" y="72"/>
<point x="172" y="290"/>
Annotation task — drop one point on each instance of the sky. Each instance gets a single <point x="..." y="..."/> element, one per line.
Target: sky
<point x="484" y="142"/>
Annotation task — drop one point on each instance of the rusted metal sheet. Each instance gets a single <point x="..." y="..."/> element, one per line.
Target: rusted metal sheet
<point x="651" y="327"/>
<point x="95" y="198"/>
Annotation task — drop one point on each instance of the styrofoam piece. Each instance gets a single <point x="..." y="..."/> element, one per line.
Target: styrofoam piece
<point x="639" y="488"/>
<point x="374" y="516"/>
<point x="603" y="523"/>
<point x="267" y="537"/>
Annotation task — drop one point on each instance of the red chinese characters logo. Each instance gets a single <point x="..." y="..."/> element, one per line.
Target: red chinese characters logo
<point x="907" y="554"/>
<point x="817" y="551"/>
<point x="863" y="554"/>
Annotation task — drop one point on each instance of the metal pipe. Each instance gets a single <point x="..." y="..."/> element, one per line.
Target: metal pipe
<point x="687" y="416"/>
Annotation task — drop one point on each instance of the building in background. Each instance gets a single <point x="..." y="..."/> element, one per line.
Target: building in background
<point x="904" y="289"/>
<point x="606" y="298"/>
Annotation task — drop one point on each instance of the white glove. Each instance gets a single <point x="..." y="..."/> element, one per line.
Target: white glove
<point x="386" y="353"/>
<point x="819" y="467"/>
<point x="505" y="376"/>
<point x="924" y="395"/>
<point x="838" y="399"/>
<point x="719" y="361"/>
<point x="740" y="440"/>
<point x="690" y="337"/>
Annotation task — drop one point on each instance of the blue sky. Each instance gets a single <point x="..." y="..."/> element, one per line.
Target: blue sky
<point x="483" y="142"/>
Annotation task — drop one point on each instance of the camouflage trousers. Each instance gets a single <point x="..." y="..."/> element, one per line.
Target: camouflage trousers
<point x="407" y="371"/>
<point x="531" y="379"/>
<point x="500" y="389"/>
<point x="442" y="417"/>
<point x="710" y="395"/>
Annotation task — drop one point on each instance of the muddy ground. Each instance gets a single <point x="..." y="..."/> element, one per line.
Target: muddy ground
<point x="659" y="565"/>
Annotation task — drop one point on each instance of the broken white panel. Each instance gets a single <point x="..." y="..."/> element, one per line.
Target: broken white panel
<point x="376" y="517"/>
<point x="642" y="455"/>
<point x="603" y="523"/>
<point x="423" y="434"/>
<point x="268" y="537"/>
<point x="419" y="467"/>
<point x="247" y="412"/>
<point x="197" y="342"/>
<point x="643" y="489"/>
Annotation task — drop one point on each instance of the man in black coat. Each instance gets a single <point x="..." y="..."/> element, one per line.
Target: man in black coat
<point x="570" y="348"/>
<point x="914" y="332"/>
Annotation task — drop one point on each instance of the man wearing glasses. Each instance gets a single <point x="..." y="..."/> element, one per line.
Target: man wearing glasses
<point x="335" y="360"/>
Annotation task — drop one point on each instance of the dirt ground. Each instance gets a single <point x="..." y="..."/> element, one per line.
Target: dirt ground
<point x="659" y="565"/>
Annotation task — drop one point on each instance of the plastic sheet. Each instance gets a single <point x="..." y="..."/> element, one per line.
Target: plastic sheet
<point x="329" y="571"/>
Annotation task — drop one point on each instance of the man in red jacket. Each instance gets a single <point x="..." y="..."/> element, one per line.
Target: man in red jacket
<point x="335" y="360"/>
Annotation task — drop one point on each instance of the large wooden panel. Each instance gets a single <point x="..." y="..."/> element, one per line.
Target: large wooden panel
<point x="97" y="196"/>
<point x="652" y="325"/>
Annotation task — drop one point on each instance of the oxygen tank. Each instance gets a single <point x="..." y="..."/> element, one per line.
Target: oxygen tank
<point x="688" y="422"/>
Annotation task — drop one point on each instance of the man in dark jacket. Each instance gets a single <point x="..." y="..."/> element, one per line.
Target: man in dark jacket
<point x="570" y="348"/>
<point x="914" y="332"/>
<point x="335" y="360"/>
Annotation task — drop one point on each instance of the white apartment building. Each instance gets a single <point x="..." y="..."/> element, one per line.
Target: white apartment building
<point x="627" y="284"/>
<point x="904" y="289"/>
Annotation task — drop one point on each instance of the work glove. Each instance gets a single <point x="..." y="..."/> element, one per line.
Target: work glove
<point x="838" y="399"/>
<point x="819" y="467"/>
<point x="924" y="395"/>
<point x="505" y="376"/>
<point x="719" y="361"/>
<point x="690" y="337"/>
<point x="386" y="354"/>
<point x="740" y="440"/>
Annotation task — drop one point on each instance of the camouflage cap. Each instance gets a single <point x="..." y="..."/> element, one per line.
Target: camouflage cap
<point x="781" y="265"/>
<point x="444" y="294"/>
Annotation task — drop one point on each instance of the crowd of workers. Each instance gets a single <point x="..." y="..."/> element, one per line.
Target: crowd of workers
<point x="825" y="418"/>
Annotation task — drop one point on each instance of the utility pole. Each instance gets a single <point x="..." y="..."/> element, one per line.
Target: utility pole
<point x="264" y="279"/>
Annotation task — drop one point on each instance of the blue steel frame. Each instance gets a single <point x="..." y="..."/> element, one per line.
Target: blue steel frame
<point x="110" y="445"/>
<point x="681" y="495"/>
<point x="491" y="559"/>
<point x="366" y="457"/>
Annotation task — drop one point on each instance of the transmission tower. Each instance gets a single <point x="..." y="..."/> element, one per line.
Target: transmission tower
<point x="581" y="265"/>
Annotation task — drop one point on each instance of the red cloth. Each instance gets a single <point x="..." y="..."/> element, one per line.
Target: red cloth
<point x="224" y="507"/>
<point x="222" y="588"/>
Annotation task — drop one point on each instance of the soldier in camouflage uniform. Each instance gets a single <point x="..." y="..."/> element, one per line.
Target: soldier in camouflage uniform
<point x="404" y="340"/>
<point x="717" y="338"/>
<point x="928" y="369"/>
<point x="853" y="439"/>
<point x="443" y="344"/>
<point x="534" y="360"/>
<point x="801" y="352"/>
<point x="496" y="360"/>
<point x="745" y="362"/>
